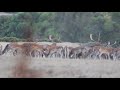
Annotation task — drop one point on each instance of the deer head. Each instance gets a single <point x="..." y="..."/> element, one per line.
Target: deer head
<point x="109" y="43"/>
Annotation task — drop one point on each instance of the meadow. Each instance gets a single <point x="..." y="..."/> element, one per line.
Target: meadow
<point x="29" y="67"/>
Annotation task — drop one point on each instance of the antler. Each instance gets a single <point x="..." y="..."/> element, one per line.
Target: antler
<point x="59" y="38"/>
<point x="50" y="37"/>
<point x="91" y="37"/>
<point x="99" y="37"/>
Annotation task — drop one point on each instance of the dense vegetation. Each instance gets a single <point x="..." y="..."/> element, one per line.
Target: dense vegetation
<point x="69" y="26"/>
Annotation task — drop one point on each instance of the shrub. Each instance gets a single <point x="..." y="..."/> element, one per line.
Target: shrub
<point x="10" y="39"/>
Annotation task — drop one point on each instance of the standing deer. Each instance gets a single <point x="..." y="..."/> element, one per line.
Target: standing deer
<point x="102" y="49"/>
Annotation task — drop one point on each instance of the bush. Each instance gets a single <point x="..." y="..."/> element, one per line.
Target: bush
<point x="10" y="39"/>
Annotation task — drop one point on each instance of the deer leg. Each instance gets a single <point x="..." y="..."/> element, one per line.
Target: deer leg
<point x="14" y="52"/>
<point x="108" y="56"/>
<point x="68" y="53"/>
<point x="100" y="56"/>
<point x="75" y="55"/>
<point x="65" y="52"/>
<point x="114" y="57"/>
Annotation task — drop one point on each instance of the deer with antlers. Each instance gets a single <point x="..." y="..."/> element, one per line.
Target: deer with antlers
<point x="100" y="49"/>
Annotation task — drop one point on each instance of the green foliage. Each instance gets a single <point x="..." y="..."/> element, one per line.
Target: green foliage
<point x="69" y="26"/>
<point x="10" y="39"/>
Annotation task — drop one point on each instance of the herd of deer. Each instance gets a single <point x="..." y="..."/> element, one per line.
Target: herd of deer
<point x="95" y="51"/>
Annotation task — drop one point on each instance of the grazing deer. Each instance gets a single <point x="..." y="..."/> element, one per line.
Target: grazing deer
<point x="12" y="47"/>
<point x="49" y="48"/>
<point x="37" y="50"/>
<point x="54" y="50"/>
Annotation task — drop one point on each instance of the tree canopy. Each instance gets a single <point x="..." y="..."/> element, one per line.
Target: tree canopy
<point x="69" y="26"/>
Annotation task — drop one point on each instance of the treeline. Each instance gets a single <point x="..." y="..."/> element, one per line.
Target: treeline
<point x="69" y="26"/>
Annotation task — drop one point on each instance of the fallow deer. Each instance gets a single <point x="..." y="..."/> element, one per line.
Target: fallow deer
<point x="100" y="49"/>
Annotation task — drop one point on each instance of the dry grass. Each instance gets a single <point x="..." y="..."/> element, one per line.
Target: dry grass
<point x="22" y="69"/>
<point x="26" y="67"/>
<point x="12" y="67"/>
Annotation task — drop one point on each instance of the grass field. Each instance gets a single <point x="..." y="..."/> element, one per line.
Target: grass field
<point x="25" y="67"/>
<point x="17" y="67"/>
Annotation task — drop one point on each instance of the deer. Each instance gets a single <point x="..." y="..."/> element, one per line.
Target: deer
<point x="12" y="47"/>
<point x="78" y="52"/>
<point x="36" y="50"/>
<point x="67" y="52"/>
<point x="93" y="50"/>
<point x="116" y="54"/>
<point x="54" y="50"/>
<point x="101" y="49"/>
